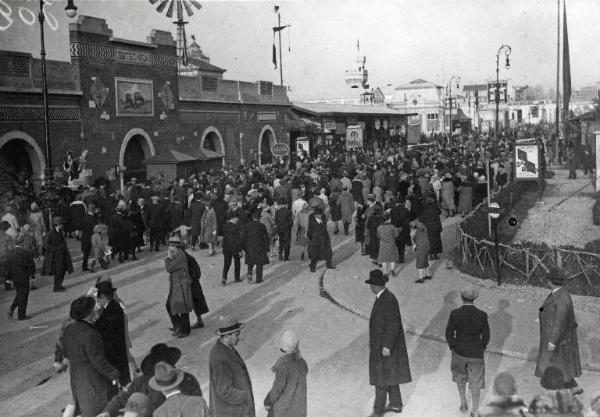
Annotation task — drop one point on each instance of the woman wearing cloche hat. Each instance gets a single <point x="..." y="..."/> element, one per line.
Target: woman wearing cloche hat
<point x="287" y="397"/>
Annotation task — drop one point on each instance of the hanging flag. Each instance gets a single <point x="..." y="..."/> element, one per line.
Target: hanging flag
<point x="566" y="66"/>
<point x="477" y="99"/>
<point x="274" y="56"/>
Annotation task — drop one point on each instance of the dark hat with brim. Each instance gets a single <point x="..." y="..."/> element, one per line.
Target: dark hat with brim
<point x="556" y="276"/>
<point x="81" y="307"/>
<point x="376" y="277"/>
<point x="57" y="220"/>
<point x="159" y="353"/>
<point x="138" y="403"/>
<point x="175" y="241"/>
<point x="105" y="287"/>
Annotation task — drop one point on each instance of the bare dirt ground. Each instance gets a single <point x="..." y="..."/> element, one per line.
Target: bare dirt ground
<point x="566" y="224"/>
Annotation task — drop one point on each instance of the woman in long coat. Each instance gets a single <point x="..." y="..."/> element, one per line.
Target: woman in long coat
<point x="421" y="249"/>
<point x="334" y="210"/>
<point x="430" y="216"/>
<point x="196" y="213"/>
<point x="388" y="252"/>
<point x="447" y="194"/>
<point x="209" y="229"/>
<point x="180" y="300"/>
<point x="302" y="228"/>
<point x="465" y="197"/>
<point x="373" y="223"/>
<point x="346" y="204"/>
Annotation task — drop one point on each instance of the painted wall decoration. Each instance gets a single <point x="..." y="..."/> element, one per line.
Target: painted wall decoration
<point x="167" y="97"/>
<point x="99" y="93"/>
<point x="134" y="97"/>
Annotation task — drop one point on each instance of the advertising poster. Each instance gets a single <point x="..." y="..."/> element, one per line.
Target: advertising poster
<point x="526" y="162"/>
<point x="354" y="137"/>
<point x="302" y="146"/>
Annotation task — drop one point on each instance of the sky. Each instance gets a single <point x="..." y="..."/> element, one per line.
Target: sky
<point x="402" y="39"/>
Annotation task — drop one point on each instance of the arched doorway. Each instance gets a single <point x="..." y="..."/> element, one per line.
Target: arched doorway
<point x="136" y="147"/>
<point x="266" y="140"/>
<point x="210" y="142"/>
<point x="213" y="141"/>
<point x="21" y="160"/>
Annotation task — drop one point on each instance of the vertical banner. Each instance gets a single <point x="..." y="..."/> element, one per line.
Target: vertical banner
<point x="354" y="137"/>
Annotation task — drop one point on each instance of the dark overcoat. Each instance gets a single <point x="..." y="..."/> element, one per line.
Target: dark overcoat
<point x="256" y="243"/>
<point x="401" y="219"/>
<point x="195" y="217"/>
<point x="319" y="242"/>
<point x="57" y="257"/>
<point x="284" y="222"/>
<point x="385" y="330"/>
<point x="91" y="374"/>
<point x="346" y="204"/>
<point x="230" y="386"/>
<point x="111" y="326"/>
<point x="232" y="238"/>
<point x="558" y="326"/>
<point x="118" y="231"/>
<point x="430" y="216"/>
<point x="77" y="211"/>
<point x="180" y="284"/>
<point x="87" y="230"/>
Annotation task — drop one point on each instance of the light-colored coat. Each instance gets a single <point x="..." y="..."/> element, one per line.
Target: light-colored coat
<point x="287" y="397"/>
<point x="387" y="234"/>
<point x="209" y="226"/>
<point x="346" y="203"/>
<point x="558" y="326"/>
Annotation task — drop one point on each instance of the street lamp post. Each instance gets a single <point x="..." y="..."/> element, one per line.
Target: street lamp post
<point x="49" y="196"/>
<point x="507" y="50"/>
<point x="449" y="89"/>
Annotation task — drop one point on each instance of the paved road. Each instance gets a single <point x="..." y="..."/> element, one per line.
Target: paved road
<point x="333" y="341"/>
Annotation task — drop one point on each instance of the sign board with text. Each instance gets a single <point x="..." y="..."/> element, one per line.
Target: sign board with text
<point x="354" y="137"/>
<point x="502" y="92"/>
<point x="527" y="166"/>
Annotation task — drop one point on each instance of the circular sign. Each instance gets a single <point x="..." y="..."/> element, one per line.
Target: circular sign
<point x="280" y="149"/>
<point x="494" y="206"/>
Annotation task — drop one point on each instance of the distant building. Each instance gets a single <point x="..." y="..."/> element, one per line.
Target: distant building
<point x="423" y="98"/>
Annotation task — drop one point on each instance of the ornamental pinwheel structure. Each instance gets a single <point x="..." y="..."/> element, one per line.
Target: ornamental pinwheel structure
<point x="178" y="6"/>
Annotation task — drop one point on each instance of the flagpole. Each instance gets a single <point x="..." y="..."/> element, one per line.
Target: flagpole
<point x="280" y="61"/>
<point x="557" y="113"/>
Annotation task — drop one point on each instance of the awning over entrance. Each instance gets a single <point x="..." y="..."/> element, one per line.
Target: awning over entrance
<point x="174" y="164"/>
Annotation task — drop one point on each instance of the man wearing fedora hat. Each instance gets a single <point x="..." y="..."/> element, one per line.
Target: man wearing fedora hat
<point x="167" y="379"/>
<point x="468" y="334"/>
<point x="230" y="386"/>
<point x="559" y="345"/>
<point x="153" y="219"/>
<point x="319" y="242"/>
<point x="159" y="353"/>
<point x="57" y="260"/>
<point x="111" y="325"/>
<point x="91" y="373"/>
<point x="388" y="358"/>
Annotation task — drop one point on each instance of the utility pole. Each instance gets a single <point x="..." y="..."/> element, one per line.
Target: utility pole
<point x="557" y="79"/>
<point x="278" y="29"/>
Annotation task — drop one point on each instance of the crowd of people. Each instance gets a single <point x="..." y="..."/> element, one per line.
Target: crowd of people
<point x="393" y="196"/>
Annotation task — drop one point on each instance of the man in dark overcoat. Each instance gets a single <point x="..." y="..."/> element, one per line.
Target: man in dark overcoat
<point x="20" y="268"/>
<point x="468" y="334"/>
<point x="153" y="220"/>
<point x="319" y="242"/>
<point x="57" y="260"/>
<point x="284" y="223"/>
<point x="400" y="219"/>
<point x="194" y="214"/>
<point x="230" y="386"/>
<point x="559" y="345"/>
<point x="388" y="358"/>
<point x="232" y="246"/>
<point x="111" y="325"/>
<point x="257" y="244"/>
<point x="119" y="232"/>
<point x="89" y="220"/>
<point x="91" y="374"/>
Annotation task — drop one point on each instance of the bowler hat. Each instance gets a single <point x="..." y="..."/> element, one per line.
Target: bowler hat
<point x="57" y="220"/>
<point x="166" y="377"/>
<point x="159" y="353"/>
<point x="556" y="276"/>
<point x="376" y="277"/>
<point x="469" y="293"/>
<point x="105" y="287"/>
<point x="81" y="307"/>
<point x="229" y="325"/>
<point x="137" y="403"/>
